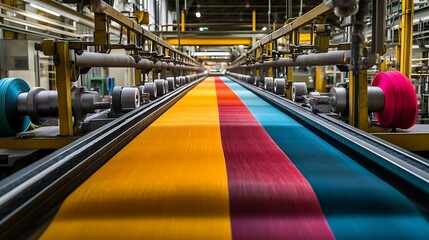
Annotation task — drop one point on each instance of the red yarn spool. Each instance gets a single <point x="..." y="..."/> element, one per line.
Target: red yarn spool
<point x="400" y="100"/>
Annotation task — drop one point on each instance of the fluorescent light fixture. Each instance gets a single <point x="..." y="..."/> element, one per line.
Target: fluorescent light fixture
<point x="198" y="14"/>
<point x="214" y="54"/>
<point x="44" y="9"/>
<point x="264" y="29"/>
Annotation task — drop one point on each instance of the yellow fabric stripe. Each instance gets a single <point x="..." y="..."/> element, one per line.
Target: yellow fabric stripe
<point x="169" y="182"/>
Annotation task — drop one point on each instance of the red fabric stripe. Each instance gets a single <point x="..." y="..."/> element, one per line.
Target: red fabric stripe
<point x="269" y="197"/>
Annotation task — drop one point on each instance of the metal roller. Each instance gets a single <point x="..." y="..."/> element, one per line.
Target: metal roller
<point x="299" y="89"/>
<point x="339" y="99"/>
<point x="41" y="105"/>
<point x="130" y="98"/>
<point x="166" y="86"/>
<point x="375" y="99"/>
<point x="269" y="84"/>
<point x="116" y="99"/>
<point x="253" y="80"/>
<point x="182" y="80"/>
<point x="141" y="90"/>
<point x="171" y="83"/>
<point x="177" y="81"/>
<point x="188" y="79"/>
<point x="279" y="86"/>
<point x="159" y="83"/>
<point x="151" y="89"/>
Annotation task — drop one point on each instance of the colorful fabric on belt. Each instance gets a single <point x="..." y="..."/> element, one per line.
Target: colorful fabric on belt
<point x="209" y="168"/>
<point x="269" y="197"/>
<point x="169" y="182"/>
<point x="356" y="203"/>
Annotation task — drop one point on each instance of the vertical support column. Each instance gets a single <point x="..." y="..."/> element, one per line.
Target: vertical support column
<point x="320" y="83"/>
<point x="253" y="20"/>
<point x="62" y="69"/>
<point x="3" y="72"/>
<point x="269" y="52"/>
<point x="183" y="21"/>
<point x="407" y="36"/>
<point x="362" y="105"/>
<point x="289" y="83"/>
<point x="138" y="76"/>
<point x="101" y="35"/>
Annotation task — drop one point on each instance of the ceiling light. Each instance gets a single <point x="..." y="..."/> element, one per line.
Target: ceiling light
<point x="198" y="14"/>
<point x="44" y="9"/>
<point x="201" y="29"/>
<point x="264" y="29"/>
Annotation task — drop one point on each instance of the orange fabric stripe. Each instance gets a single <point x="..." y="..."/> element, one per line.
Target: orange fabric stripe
<point x="169" y="182"/>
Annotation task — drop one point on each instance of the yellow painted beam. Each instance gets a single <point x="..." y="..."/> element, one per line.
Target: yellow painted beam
<point x="409" y="141"/>
<point x="63" y="81"/>
<point x="406" y="36"/>
<point x="183" y="23"/>
<point x="304" y="38"/>
<point x="253" y="20"/>
<point x="35" y="143"/>
<point x="361" y="108"/>
<point x="201" y="41"/>
<point x="320" y="82"/>
<point x="138" y="76"/>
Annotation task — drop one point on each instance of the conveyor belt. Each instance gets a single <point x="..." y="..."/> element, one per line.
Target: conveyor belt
<point x="222" y="163"/>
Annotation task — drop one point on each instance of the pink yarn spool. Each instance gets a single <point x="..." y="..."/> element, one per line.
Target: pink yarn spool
<point x="400" y="100"/>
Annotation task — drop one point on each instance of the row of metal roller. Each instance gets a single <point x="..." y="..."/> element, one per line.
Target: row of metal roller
<point x="274" y="85"/>
<point x="126" y="99"/>
<point x="20" y="105"/>
<point x="392" y="97"/>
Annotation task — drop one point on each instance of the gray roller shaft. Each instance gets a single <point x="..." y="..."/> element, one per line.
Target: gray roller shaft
<point x="102" y="105"/>
<point x="375" y="99"/>
<point x="90" y="59"/>
<point x="317" y="59"/>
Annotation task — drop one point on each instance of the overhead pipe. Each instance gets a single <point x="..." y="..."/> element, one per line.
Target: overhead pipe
<point x="316" y="59"/>
<point x="90" y="59"/>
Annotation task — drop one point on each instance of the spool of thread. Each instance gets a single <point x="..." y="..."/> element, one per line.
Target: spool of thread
<point x="11" y="122"/>
<point x="400" y="100"/>
<point x="299" y="89"/>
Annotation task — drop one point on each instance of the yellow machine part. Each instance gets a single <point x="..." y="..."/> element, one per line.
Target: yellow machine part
<point x="169" y="181"/>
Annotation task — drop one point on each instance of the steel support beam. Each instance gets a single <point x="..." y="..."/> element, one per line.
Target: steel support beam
<point x="309" y="16"/>
<point x="209" y="41"/>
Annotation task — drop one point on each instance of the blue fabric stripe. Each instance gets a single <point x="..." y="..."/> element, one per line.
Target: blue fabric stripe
<point x="356" y="203"/>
